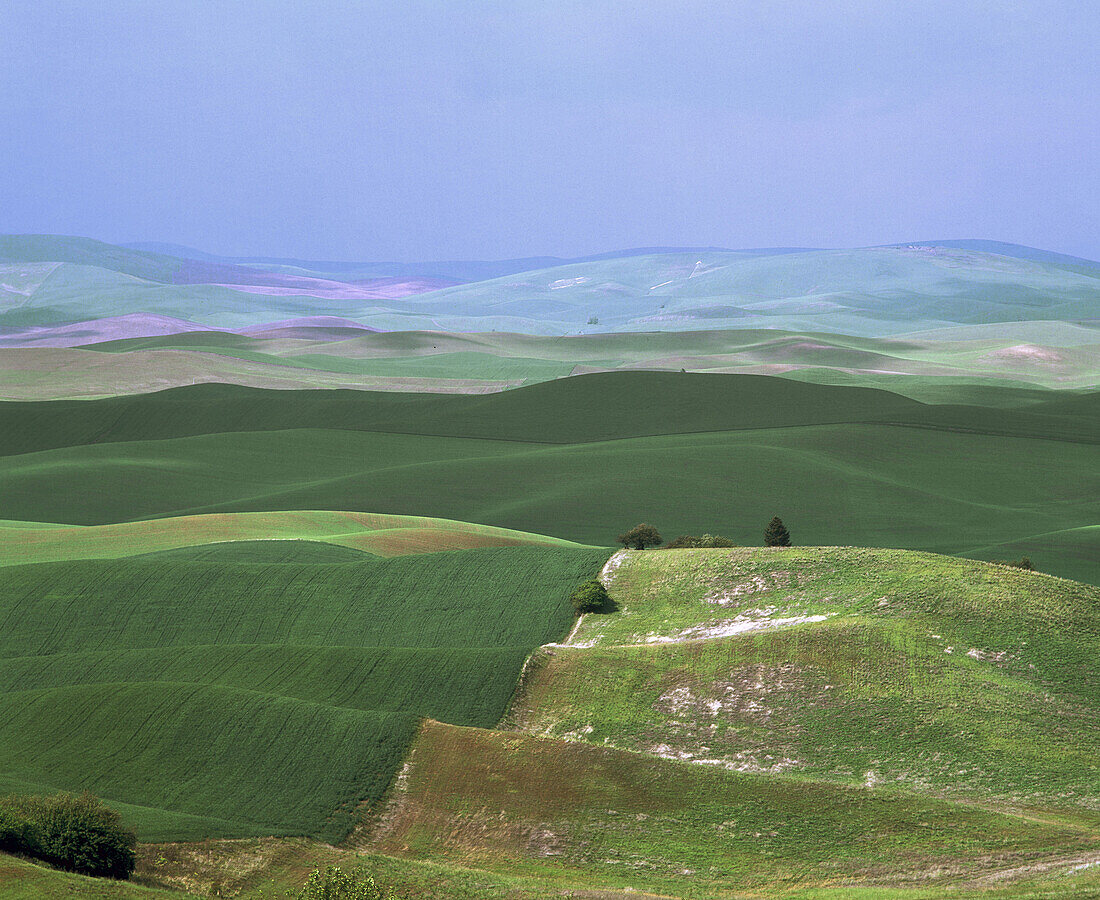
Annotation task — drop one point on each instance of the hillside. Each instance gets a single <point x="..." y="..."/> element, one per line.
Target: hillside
<point x="783" y="722"/>
<point x="193" y="693"/>
<point x="581" y="459"/>
<point x="354" y="532"/>
<point x="942" y="676"/>
<point x="593" y="818"/>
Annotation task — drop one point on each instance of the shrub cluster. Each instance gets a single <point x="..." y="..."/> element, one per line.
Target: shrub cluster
<point x="1024" y="562"/>
<point x="336" y="884"/>
<point x="589" y="597"/>
<point x="79" y="834"/>
<point x="643" y="536"/>
<point x="695" y="542"/>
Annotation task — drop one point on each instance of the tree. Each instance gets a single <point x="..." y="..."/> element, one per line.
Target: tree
<point x="336" y="884"/>
<point x="79" y="834"/>
<point x="776" y="534"/>
<point x="640" y="536"/>
<point x="591" y="596"/>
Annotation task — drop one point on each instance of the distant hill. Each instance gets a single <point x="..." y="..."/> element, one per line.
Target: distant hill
<point x="869" y="292"/>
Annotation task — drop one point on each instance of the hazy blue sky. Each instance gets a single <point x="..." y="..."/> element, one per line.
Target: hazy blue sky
<point x="415" y="130"/>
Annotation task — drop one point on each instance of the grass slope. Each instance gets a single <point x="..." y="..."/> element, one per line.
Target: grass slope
<point x="945" y="676"/>
<point x="601" y="818"/>
<point x="195" y="695"/>
<point x="24" y="880"/>
<point x="357" y="533"/>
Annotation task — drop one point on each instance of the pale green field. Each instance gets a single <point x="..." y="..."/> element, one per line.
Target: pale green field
<point x="379" y="535"/>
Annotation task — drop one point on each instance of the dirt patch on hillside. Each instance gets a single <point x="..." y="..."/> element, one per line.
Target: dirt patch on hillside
<point x="210" y="868"/>
<point x="751" y="620"/>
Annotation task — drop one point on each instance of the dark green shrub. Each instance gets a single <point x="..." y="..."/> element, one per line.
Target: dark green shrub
<point x="79" y="834"/>
<point x="16" y="834"/>
<point x="590" y="597"/>
<point x="694" y="542"/>
<point x="336" y="884"/>
<point x="640" y="536"/>
<point x="1024" y="562"/>
<point x="776" y="534"/>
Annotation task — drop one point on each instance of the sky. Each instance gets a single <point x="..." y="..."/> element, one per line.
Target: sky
<point x="476" y="129"/>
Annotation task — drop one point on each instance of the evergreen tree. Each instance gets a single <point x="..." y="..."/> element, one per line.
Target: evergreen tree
<point x="776" y="534"/>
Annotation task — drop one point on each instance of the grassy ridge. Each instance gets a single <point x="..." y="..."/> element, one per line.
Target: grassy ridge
<point x="936" y="674"/>
<point x="608" y="406"/>
<point x="229" y="698"/>
<point x="354" y="532"/>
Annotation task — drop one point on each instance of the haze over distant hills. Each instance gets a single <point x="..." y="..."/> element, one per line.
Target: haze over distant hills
<point x="877" y="291"/>
<point x="926" y="319"/>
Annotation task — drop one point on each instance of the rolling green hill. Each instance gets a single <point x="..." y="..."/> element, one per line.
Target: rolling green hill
<point x="225" y="608"/>
<point x="593" y="408"/>
<point x="942" y="676"/>
<point x="195" y="694"/>
<point x="576" y="459"/>
<point x="269" y="534"/>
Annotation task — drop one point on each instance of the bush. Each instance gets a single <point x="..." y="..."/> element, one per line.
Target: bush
<point x="16" y="835"/>
<point x="79" y="834"/>
<point x="640" y="536"/>
<point x="1024" y="562"/>
<point x="690" y="541"/>
<point x="776" y="534"/>
<point x="336" y="884"/>
<point x="590" y="597"/>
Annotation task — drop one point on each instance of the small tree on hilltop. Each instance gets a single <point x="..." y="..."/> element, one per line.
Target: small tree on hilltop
<point x="640" y="536"/>
<point x="776" y="534"/>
